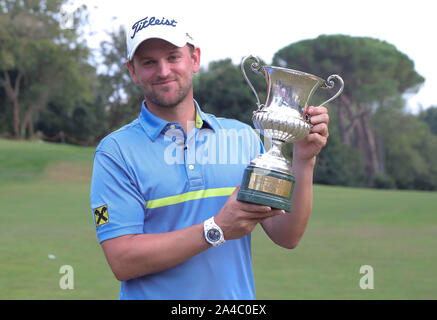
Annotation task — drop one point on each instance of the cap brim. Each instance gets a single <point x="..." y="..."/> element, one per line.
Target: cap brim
<point x="179" y="44"/>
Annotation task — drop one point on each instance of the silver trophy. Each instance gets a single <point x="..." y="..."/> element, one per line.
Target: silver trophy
<point x="269" y="178"/>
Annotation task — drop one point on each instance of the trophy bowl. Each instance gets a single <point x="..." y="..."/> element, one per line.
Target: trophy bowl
<point x="269" y="179"/>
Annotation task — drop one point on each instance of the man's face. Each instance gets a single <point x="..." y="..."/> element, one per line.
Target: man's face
<point x="164" y="72"/>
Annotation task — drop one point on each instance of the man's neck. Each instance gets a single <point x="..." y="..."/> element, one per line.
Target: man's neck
<point x="184" y="113"/>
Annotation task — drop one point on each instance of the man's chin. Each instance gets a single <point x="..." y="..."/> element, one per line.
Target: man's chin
<point x="164" y="103"/>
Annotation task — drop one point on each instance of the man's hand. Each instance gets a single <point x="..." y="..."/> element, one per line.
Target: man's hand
<point x="308" y="148"/>
<point x="237" y="218"/>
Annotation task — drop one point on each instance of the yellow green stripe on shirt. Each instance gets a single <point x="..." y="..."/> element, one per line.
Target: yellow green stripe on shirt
<point x="187" y="196"/>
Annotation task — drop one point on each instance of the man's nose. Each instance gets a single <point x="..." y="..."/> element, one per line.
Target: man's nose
<point x="163" y="69"/>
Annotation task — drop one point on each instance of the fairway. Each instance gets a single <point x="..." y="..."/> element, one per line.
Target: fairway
<point x="46" y="223"/>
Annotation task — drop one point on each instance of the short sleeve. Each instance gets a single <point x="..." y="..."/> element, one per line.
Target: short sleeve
<point x="117" y="205"/>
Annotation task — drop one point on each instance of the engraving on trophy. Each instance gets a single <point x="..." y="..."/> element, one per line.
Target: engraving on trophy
<point x="269" y="184"/>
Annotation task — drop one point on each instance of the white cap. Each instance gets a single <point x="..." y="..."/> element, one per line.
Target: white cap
<point x="168" y="28"/>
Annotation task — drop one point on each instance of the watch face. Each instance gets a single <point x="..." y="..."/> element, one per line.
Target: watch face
<point x="213" y="235"/>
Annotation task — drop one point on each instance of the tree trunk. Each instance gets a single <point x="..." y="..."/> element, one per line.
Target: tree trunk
<point x="16" y="112"/>
<point x="381" y="154"/>
<point x="13" y="94"/>
<point x="347" y="120"/>
<point x="367" y="141"/>
<point x="341" y="122"/>
<point x="28" y="116"/>
<point x="355" y="130"/>
<point x="27" y="124"/>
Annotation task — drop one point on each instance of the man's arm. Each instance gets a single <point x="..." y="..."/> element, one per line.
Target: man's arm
<point x="287" y="230"/>
<point x="132" y="256"/>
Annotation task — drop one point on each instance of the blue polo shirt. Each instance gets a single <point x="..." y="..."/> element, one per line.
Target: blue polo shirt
<point x="149" y="177"/>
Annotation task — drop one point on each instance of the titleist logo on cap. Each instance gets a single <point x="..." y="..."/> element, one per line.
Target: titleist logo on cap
<point x="152" y="21"/>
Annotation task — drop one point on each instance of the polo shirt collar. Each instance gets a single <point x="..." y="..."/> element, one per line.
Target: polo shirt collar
<point x="202" y="119"/>
<point x="153" y="125"/>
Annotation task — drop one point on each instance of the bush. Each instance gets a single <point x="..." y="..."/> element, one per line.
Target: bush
<point x="384" y="181"/>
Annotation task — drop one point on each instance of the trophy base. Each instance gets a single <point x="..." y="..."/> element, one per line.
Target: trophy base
<point x="267" y="187"/>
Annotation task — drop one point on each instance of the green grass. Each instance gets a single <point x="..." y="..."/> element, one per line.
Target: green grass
<point x="44" y="209"/>
<point x="395" y="232"/>
<point x="22" y="161"/>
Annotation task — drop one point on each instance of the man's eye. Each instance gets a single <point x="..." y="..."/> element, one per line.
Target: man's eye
<point x="173" y="58"/>
<point x="148" y="62"/>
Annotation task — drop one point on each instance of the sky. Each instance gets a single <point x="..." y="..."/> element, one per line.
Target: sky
<point x="236" y="28"/>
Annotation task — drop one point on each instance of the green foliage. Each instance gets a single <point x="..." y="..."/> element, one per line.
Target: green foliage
<point x="429" y="116"/>
<point x="376" y="75"/>
<point x="410" y="149"/>
<point x="41" y="63"/>
<point x="384" y="181"/>
<point x="119" y="94"/>
<point x="222" y="90"/>
<point x="339" y="164"/>
<point x="372" y="69"/>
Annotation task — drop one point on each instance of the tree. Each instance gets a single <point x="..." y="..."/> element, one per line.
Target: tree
<point x="221" y="90"/>
<point x="410" y="148"/>
<point x="40" y="61"/>
<point x="338" y="163"/>
<point x="429" y="116"/>
<point x="374" y="72"/>
<point x="121" y="97"/>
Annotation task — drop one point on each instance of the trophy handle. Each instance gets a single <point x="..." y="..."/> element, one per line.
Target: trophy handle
<point x="255" y="67"/>
<point x="329" y="84"/>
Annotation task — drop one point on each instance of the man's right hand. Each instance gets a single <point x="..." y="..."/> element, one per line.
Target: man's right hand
<point x="237" y="218"/>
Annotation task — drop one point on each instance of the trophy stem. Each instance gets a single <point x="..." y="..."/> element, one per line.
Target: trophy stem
<point x="276" y="149"/>
<point x="273" y="160"/>
<point x="269" y="179"/>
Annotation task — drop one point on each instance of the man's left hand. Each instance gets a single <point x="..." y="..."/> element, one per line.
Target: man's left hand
<point x="306" y="149"/>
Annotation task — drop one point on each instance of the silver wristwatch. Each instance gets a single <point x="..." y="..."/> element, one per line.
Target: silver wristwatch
<point x="212" y="232"/>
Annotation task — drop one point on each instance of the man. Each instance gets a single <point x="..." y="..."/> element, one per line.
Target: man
<point x="164" y="182"/>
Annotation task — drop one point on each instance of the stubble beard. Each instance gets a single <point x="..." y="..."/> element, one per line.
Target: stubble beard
<point x="159" y="100"/>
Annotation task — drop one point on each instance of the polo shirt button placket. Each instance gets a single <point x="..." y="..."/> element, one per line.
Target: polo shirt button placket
<point x="193" y="170"/>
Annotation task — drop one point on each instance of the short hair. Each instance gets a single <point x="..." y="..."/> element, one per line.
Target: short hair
<point x="191" y="47"/>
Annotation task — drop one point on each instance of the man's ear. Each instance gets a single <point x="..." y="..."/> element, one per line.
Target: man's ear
<point x="130" y="66"/>
<point x="196" y="59"/>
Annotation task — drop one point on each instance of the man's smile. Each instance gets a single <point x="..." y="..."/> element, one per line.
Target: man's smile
<point x="163" y="83"/>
